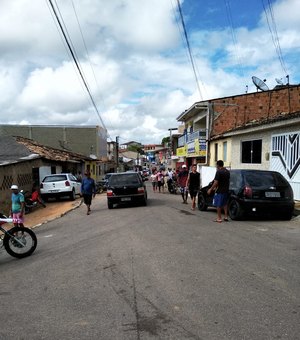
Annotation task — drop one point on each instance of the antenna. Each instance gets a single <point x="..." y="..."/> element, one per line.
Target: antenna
<point x="279" y="81"/>
<point x="260" y="84"/>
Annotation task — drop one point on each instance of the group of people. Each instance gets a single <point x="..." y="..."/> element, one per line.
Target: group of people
<point x="189" y="184"/>
<point x="17" y="210"/>
<point x="160" y="179"/>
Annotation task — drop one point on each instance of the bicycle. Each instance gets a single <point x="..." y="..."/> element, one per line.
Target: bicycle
<point x="18" y="241"/>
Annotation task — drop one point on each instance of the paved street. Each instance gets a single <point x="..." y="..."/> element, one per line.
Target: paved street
<point x="156" y="272"/>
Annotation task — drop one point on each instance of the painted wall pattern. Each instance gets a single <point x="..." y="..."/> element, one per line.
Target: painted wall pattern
<point x="285" y="158"/>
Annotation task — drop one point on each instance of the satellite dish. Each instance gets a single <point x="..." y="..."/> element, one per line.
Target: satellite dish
<point x="279" y="81"/>
<point x="260" y="84"/>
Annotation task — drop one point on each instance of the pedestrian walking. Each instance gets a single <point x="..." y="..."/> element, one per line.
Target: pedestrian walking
<point x="221" y="188"/>
<point x="160" y="181"/>
<point x="17" y="210"/>
<point x="88" y="190"/>
<point x="193" y="184"/>
<point x="181" y="180"/>
<point x="153" y="179"/>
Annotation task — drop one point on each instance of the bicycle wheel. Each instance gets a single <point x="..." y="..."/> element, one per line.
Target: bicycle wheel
<point x="20" y="242"/>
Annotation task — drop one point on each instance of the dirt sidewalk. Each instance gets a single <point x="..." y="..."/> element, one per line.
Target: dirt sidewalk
<point x="52" y="211"/>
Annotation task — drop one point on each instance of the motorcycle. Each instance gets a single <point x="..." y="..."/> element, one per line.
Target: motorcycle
<point x="172" y="186"/>
<point x="32" y="201"/>
<point x="18" y="241"/>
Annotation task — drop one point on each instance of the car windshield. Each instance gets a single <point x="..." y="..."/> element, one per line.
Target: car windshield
<point x="124" y="179"/>
<point x="56" y="178"/>
<point x="263" y="179"/>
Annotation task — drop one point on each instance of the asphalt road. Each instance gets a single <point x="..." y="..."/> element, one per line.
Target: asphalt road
<point x="156" y="272"/>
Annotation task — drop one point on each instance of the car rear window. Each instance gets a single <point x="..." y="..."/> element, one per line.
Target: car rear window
<point x="57" y="178"/>
<point x="124" y="179"/>
<point x="264" y="179"/>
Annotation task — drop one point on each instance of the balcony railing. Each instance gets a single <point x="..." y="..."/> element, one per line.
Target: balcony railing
<point x="190" y="137"/>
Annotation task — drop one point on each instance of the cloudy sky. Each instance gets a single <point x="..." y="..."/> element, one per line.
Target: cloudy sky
<point x="134" y="59"/>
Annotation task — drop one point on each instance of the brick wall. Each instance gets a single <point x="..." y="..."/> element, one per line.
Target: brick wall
<point x="236" y="111"/>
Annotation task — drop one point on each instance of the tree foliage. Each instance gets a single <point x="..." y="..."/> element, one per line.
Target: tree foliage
<point x="165" y="141"/>
<point x="136" y="148"/>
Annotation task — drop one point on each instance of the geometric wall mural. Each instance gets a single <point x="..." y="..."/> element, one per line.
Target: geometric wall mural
<point x="287" y="148"/>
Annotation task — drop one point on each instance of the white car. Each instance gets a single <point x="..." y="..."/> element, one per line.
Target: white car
<point x="60" y="185"/>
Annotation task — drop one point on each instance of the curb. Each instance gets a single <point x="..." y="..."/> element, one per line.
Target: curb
<point x="58" y="216"/>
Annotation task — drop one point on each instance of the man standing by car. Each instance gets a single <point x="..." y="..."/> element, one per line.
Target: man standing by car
<point x="221" y="188"/>
<point x="17" y="210"/>
<point x="88" y="190"/>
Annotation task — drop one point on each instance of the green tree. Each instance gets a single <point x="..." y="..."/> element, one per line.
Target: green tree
<point x="136" y="148"/>
<point x="166" y="141"/>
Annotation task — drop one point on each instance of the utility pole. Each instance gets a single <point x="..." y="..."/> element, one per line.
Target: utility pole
<point x="117" y="152"/>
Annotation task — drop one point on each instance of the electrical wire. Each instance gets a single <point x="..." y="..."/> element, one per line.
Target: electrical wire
<point x="73" y="54"/>
<point x="189" y="48"/>
<point x="274" y="34"/>
<point x="89" y="60"/>
<point x="64" y="43"/>
<point x="234" y="39"/>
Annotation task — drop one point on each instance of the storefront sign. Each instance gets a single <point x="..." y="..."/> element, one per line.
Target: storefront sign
<point x="181" y="152"/>
<point x="195" y="148"/>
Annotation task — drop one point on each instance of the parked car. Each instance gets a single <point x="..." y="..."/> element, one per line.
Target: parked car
<point x="256" y="193"/>
<point x="59" y="185"/>
<point x="126" y="188"/>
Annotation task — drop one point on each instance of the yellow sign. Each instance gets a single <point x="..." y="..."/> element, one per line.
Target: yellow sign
<point x="181" y="152"/>
<point x="195" y="148"/>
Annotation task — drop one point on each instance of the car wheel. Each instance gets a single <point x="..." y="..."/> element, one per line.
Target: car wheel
<point x="202" y="206"/>
<point x="110" y="205"/>
<point x="235" y="210"/>
<point x="144" y="202"/>
<point x="73" y="195"/>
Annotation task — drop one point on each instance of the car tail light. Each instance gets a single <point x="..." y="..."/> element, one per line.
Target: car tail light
<point x="289" y="193"/>
<point x="247" y="191"/>
<point x="67" y="184"/>
<point x="141" y="190"/>
<point x="109" y="193"/>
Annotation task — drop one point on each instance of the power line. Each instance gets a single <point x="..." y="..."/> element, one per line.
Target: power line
<point x="89" y="60"/>
<point x="233" y="36"/>
<point x="189" y="47"/>
<point x="76" y="62"/>
<point x="274" y="33"/>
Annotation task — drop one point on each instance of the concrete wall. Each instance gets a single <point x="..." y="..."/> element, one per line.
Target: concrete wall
<point x="84" y="140"/>
<point x="220" y="146"/>
<point x="19" y="174"/>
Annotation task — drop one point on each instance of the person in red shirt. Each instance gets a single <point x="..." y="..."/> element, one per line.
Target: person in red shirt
<point x="181" y="180"/>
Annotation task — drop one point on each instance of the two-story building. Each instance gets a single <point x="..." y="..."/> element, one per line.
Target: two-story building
<point x="258" y="130"/>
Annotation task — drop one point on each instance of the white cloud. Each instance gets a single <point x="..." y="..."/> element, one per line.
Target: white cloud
<point x="144" y="78"/>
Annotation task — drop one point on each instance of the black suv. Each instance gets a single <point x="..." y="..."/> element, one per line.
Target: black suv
<point x="126" y="188"/>
<point x="255" y="192"/>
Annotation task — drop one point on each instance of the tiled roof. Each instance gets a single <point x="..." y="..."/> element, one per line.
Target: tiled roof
<point x="17" y="149"/>
<point x="49" y="152"/>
